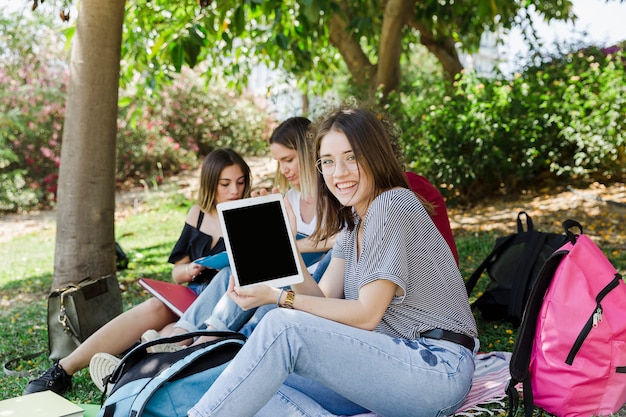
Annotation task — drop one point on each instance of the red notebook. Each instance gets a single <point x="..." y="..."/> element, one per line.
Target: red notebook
<point x="177" y="297"/>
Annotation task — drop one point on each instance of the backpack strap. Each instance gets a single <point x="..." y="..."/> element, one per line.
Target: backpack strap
<point x="520" y="359"/>
<point x="497" y="249"/>
<point x="500" y="245"/>
<point x="528" y="259"/>
<point x="140" y="351"/>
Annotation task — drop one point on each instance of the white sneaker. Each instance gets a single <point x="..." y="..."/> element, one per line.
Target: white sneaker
<point x="164" y="347"/>
<point x="149" y="335"/>
<point x="101" y="366"/>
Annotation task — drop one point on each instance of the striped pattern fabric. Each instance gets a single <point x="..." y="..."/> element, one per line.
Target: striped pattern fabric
<point x="402" y="244"/>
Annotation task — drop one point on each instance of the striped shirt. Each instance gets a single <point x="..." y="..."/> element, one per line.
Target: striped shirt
<point x="402" y="244"/>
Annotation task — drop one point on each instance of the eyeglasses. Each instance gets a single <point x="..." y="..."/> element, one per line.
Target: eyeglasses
<point x="327" y="166"/>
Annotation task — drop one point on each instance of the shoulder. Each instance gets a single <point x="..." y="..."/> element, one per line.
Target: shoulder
<point x="399" y="206"/>
<point x="292" y="194"/>
<point x="396" y="199"/>
<point x="192" y="215"/>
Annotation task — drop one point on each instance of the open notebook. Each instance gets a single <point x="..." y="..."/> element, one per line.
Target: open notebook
<point x="40" y="404"/>
<point x="177" y="297"/>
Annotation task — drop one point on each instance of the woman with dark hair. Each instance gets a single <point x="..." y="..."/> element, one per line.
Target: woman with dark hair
<point x="388" y="328"/>
<point x="224" y="176"/>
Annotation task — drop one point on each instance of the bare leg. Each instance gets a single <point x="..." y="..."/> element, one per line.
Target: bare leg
<point x="170" y="330"/>
<point x="120" y="333"/>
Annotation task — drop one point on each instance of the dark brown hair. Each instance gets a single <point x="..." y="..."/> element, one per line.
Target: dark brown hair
<point x="372" y="147"/>
<point x="212" y="167"/>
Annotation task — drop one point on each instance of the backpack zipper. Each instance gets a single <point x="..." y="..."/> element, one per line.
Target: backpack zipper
<point x="594" y="319"/>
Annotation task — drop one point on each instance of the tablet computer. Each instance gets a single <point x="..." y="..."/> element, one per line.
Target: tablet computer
<point x="259" y="242"/>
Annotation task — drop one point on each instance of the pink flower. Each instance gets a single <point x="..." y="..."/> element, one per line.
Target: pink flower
<point x="47" y="153"/>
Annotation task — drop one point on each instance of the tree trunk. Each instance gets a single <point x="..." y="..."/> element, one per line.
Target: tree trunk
<point x="85" y="236"/>
<point x="386" y="73"/>
<point x="361" y="69"/>
<point x="390" y="49"/>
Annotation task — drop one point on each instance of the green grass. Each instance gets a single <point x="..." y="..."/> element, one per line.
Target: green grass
<point x="147" y="237"/>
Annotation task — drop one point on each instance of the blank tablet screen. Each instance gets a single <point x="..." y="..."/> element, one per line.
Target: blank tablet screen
<point x="259" y="242"/>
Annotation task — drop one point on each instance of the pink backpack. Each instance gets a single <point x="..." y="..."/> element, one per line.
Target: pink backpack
<point x="570" y="354"/>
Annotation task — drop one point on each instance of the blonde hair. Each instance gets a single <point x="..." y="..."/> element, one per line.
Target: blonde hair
<point x="293" y="133"/>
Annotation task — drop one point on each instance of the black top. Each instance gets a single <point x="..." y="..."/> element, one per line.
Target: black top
<point x="196" y="244"/>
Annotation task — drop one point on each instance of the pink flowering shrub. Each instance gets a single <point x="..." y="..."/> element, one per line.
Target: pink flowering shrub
<point x="157" y="136"/>
<point x="33" y="82"/>
<point x="185" y="121"/>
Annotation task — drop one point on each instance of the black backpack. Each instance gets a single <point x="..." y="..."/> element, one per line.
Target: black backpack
<point x="512" y="266"/>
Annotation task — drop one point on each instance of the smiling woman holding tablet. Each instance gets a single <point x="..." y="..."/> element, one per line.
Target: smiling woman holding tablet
<point x="392" y="298"/>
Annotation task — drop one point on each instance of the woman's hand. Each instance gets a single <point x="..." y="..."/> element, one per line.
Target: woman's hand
<point x="193" y="269"/>
<point x="263" y="191"/>
<point x="252" y="296"/>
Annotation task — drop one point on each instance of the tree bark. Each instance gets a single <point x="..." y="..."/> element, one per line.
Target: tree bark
<point x="444" y="49"/>
<point x="360" y="67"/>
<point x="395" y="17"/>
<point x="85" y="236"/>
<point x="386" y="73"/>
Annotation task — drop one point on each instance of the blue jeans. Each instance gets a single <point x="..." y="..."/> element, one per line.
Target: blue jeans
<point x="215" y="309"/>
<point x="387" y="375"/>
<point x="211" y="301"/>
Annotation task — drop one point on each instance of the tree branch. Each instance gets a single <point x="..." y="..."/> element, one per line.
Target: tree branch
<point x="360" y="67"/>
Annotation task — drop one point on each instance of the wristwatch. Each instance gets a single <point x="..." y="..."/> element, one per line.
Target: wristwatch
<point x="289" y="298"/>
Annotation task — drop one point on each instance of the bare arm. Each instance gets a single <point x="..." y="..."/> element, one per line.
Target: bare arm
<point x="307" y="245"/>
<point x="365" y="312"/>
<point x="184" y="269"/>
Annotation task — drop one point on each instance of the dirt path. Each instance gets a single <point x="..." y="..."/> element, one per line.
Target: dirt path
<point x="13" y="225"/>
<point x="600" y="209"/>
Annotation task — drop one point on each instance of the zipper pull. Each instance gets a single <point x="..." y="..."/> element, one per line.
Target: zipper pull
<point x="597" y="316"/>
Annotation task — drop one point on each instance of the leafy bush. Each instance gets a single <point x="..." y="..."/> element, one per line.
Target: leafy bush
<point x="559" y="120"/>
<point x="32" y="92"/>
<point x="214" y="117"/>
<point x="176" y="128"/>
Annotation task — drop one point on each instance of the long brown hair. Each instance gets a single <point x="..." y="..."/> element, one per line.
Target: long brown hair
<point x="212" y="167"/>
<point x="372" y="146"/>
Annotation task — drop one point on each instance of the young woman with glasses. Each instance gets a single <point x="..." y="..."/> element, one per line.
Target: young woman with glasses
<point x="388" y="328"/>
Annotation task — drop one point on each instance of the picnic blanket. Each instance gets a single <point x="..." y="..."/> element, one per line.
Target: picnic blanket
<point x="490" y="379"/>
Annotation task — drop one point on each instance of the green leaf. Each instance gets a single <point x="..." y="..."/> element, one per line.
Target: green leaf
<point x="178" y="56"/>
<point x="124" y="102"/>
<point x="239" y="21"/>
<point x="281" y="41"/>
